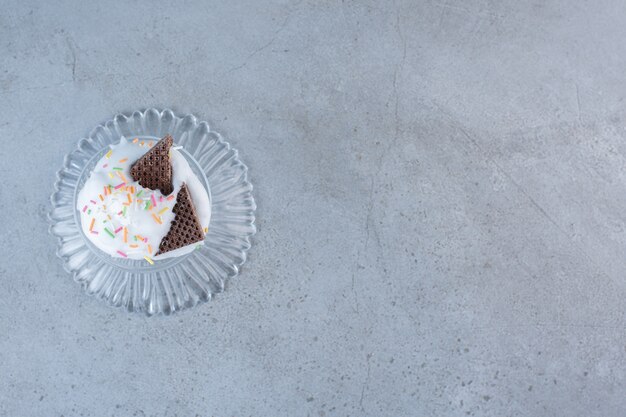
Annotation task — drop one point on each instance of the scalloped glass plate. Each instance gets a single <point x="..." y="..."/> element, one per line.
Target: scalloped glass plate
<point x="171" y="284"/>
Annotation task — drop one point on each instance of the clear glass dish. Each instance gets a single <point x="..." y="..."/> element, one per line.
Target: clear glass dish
<point x="171" y="284"/>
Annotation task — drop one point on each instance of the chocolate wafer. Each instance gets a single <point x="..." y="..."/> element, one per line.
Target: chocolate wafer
<point x="185" y="228"/>
<point x="154" y="170"/>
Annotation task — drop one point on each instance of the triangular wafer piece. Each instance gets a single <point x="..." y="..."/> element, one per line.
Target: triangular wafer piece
<point x="185" y="228"/>
<point x="154" y="170"/>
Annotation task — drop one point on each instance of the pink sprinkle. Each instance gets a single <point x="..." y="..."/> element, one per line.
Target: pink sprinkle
<point x="122" y="253"/>
<point x="120" y="185"/>
<point x="93" y="201"/>
<point x="161" y="199"/>
<point x="105" y="165"/>
<point x="119" y="214"/>
<point x="84" y="209"/>
<point x="153" y="200"/>
<point x="170" y="198"/>
<point x="94" y="232"/>
<point x="118" y="229"/>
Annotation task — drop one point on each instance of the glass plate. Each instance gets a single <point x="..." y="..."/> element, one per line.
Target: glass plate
<point x="170" y="284"/>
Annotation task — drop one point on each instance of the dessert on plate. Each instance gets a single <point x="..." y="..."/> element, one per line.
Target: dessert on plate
<point x="142" y="201"/>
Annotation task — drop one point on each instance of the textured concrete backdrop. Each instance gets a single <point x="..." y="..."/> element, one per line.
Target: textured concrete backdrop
<point x="442" y="207"/>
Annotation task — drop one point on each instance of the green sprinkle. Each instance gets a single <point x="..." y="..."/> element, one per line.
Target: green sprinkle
<point x="117" y="169"/>
<point x="89" y="211"/>
<point x="124" y="211"/>
<point x="139" y="193"/>
<point x="147" y="205"/>
<point x="109" y="233"/>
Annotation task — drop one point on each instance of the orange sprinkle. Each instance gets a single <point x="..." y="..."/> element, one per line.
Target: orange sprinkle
<point x="134" y="245"/>
<point x="150" y="144"/>
<point x="139" y="200"/>
<point x="119" y="174"/>
<point x="130" y="200"/>
<point x="170" y="198"/>
<point x="149" y="249"/>
<point x="156" y="218"/>
<point x="123" y="160"/>
<point x="136" y="140"/>
<point x="125" y="235"/>
<point x="93" y="221"/>
<point x="142" y="143"/>
<point x="101" y="198"/>
<point x="163" y="210"/>
<point x="109" y="216"/>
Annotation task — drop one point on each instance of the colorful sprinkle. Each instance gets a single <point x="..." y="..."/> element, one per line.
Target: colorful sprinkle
<point x="124" y="211"/>
<point x="150" y="144"/>
<point x="125" y="235"/>
<point x="133" y="245"/>
<point x="147" y="205"/>
<point x="84" y="209"/>
<point x="89" y="211"/>
<point x="118" y="229"/>
<point x="109" y="233"/>
<point x="206" y="230"/>
<point x="110" y="175"/>
<point x="108" y="155"/>
<point x="160" y="199"/>
<point x="139" y="193"/>
<point x="156" y="218"/>
<point x="123" y="160"/>
<point x="117" y="169"/>
<point x="93" y="202"/>
<point x="101" y="198"/>
<point x="136" y="140"/>
<point x="118" y="186"/>
<point x="154" y="203"/>
<point x="170" y="198"/>
<point x="121" y="175"/>
<point x="142" y="143"/>
<point x="105" y="165"/>
<point x="130" y="200"/>
<point x="94" y="232"/>
<point x="149" y="260"/>
<point x="122" y="253"/>
<point x="163" y="210"/>
<point x="149" y="249"/>
<point x="93" y="221"/>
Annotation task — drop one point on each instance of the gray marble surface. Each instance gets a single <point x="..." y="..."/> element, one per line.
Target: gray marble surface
<point x="441" y="221"/>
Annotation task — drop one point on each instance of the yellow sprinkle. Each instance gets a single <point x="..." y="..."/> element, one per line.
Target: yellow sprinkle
<point x="156" y="218"/>
<point x="123" y="160"/>
<point x="121" y="175"/>
<point x="109" y="216"/>
<point x="110" y="175"/>
<point x="135" y="140"/>
<point x="108" y="155"/>
<point x="206" y="230"/>
<point x="163" y="210"/>
<point x="149" y="260"/>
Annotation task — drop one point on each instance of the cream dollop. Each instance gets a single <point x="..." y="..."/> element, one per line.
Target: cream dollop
<point x="126" y="220"/>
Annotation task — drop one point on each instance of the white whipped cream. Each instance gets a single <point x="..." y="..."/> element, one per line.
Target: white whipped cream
<point x="123" y="220"/>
